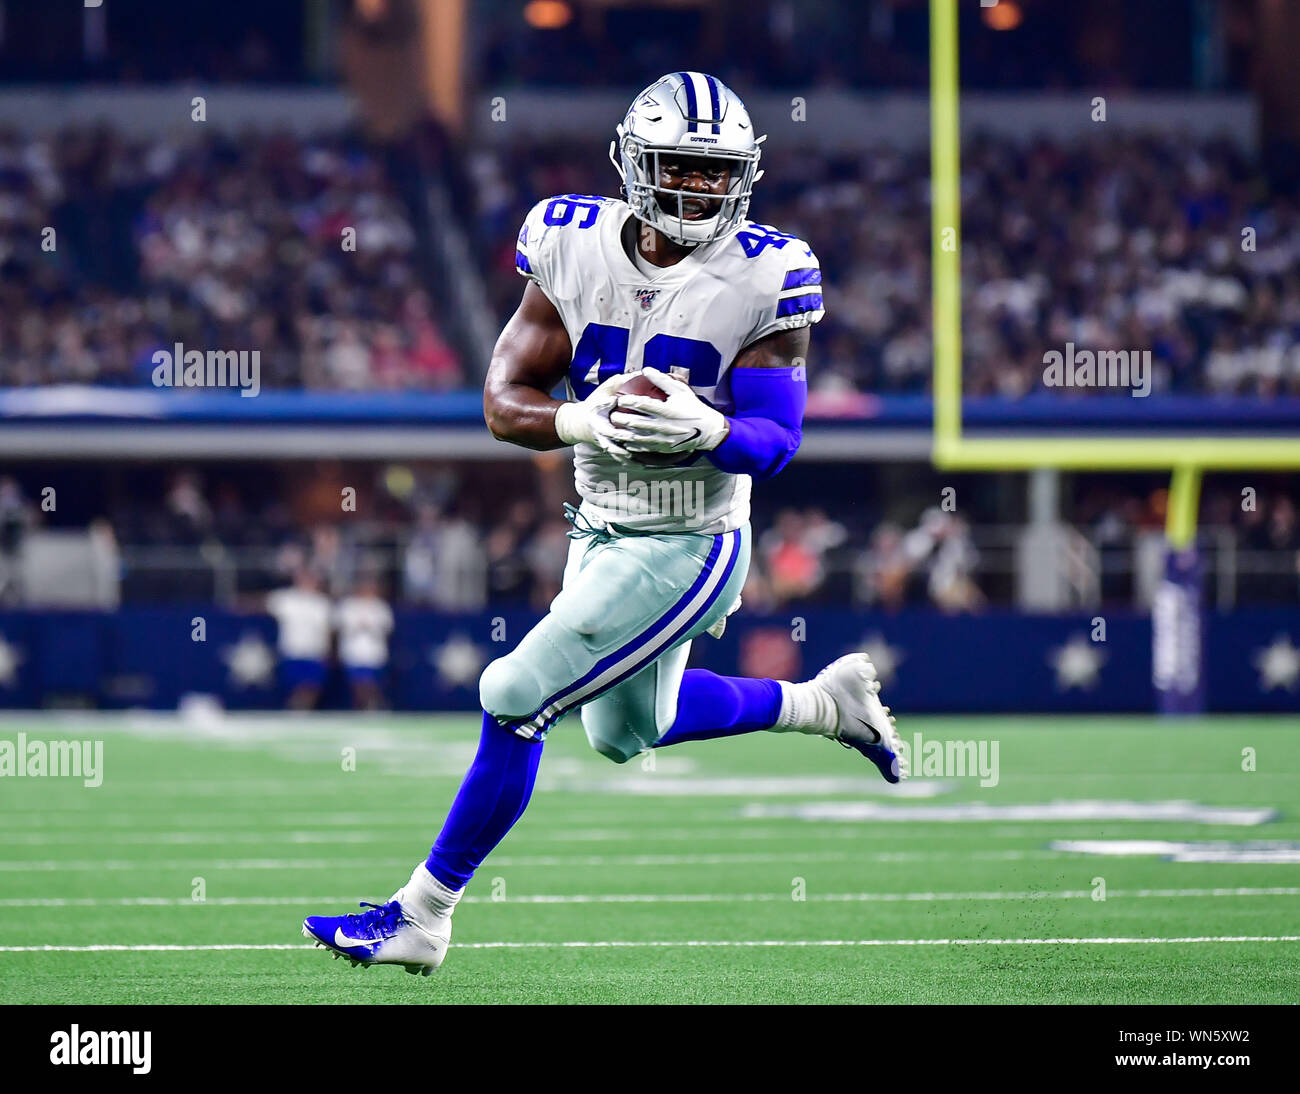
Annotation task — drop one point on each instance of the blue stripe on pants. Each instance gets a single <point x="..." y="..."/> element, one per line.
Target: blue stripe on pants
<point x="646" y="647"/>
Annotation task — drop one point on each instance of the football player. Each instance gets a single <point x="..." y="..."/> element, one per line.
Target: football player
<point x="714" y="310"/>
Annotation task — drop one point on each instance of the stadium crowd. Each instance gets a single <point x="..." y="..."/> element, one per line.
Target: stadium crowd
<point x="1083" y="242"/>
<point x="239" y="244"/>
<point x="111" y="249"/>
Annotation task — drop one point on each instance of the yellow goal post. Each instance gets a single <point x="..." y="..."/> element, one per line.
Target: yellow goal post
<point x="1185" y="457"/>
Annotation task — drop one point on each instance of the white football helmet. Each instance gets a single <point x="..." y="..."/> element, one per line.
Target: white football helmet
<point x="686" y="113"/>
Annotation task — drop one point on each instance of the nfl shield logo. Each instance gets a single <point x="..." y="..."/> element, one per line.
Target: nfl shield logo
<point x="646" y="297"/>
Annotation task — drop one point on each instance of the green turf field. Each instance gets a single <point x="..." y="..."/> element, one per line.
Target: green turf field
<point x="676" y="884"/>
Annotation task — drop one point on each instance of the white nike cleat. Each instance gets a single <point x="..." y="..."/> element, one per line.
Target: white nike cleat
<point x="863" y="723"/>
<point x="383" y="935"/>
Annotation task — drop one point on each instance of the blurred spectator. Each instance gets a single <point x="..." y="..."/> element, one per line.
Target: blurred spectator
<point x="793" y="554"/>
<point x="1276" y="531"/>
<point x="364" y="622"/>
<point x="16" y="516"/>
<point x="547" y="554"/>
<point x="941" y="543"/>
<point x="189" y="518"/>
<point x="792" y="564"/>
<point x="303" y="615"/>
<point x="505" y="550"/>
<point x="443" y="565"/>
<point x="883" y="569"/>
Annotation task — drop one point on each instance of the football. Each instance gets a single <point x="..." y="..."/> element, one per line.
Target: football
<point x="637" y="384"/>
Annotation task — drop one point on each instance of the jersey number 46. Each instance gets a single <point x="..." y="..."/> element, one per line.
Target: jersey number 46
<point x="605" y="346"/>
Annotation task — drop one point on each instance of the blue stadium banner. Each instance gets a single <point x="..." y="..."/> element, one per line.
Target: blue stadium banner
<point x="929" y="662"/>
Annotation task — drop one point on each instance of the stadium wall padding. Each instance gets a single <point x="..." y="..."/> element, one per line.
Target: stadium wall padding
<point x="994" y="662"/>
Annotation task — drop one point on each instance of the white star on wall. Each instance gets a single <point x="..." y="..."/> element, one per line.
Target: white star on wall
<point x="458" y="661"/>
<point x="885" y="657"/>
<point x="250" y="660"/>
<point x="1077" y="664"/>
<point x="10" y="658"/>
<point x="1278" y="664"/>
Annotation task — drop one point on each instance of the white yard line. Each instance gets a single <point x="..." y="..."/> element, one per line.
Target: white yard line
<point x="163" y="839"/>
<point x="795" y="855"/>
<point x="399" y="831"/>
<point x="651" y="898"/>
<point x="698" y="943"/>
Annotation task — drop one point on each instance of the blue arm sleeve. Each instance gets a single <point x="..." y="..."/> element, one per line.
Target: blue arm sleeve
<point x="767" y="424"/>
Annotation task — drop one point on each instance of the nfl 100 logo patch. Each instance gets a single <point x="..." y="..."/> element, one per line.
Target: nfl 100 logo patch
<point x="646" y="297"/>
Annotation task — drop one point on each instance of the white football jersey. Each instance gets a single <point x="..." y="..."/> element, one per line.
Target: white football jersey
<point x="695" y="316"/>
<point x="364" y="624"/>
<point x="304" y="620"/>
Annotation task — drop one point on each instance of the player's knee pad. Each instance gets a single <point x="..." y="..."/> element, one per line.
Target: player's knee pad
<point x="509" y="688"/>
<point x="617" y="750"/>
<point x="613" y="738"/>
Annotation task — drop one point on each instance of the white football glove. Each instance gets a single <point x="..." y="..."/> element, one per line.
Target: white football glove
<point x="681" y="423"/>
<point x="589" y="420"/>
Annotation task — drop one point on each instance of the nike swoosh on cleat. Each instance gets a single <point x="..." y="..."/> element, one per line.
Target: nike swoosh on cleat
<point x="343" y="942"/>
<point x="880" y="737"/>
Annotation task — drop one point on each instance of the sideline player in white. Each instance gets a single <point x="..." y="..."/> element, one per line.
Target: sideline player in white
<point x="302" y="613"/>
<point x="715" y="310"/>
<point x="364" y="621"/>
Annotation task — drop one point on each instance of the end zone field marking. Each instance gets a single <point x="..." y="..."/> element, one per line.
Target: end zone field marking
<point x="777" y="943"/>
<point x="645" y="898"/>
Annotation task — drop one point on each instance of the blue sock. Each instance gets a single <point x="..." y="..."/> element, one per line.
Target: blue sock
<point x="492" y="797"/>
<point x="709" y="705"/>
